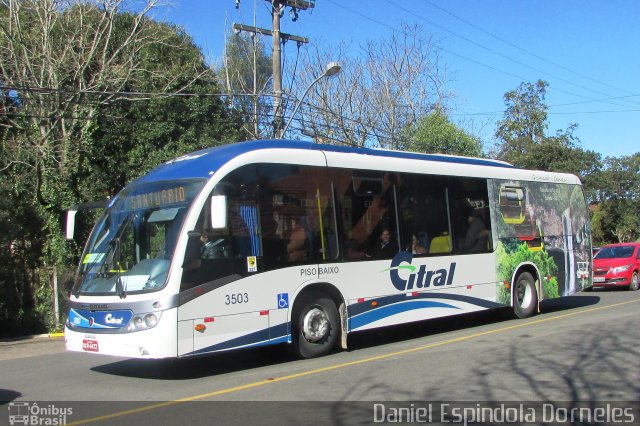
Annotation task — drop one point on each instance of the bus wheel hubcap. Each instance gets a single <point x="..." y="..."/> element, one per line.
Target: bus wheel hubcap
<point x="315" y="325"/>
<point x="524" y="295"/>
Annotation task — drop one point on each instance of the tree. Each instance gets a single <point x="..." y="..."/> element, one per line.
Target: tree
<point x="522" y="138"/>
<point x="617" y="201"/>
<point x="139" y="134"/>
<point x="377" y="95"/>
<point x="615" y="221"/>
<point x="246" y="74"/>
<point x="562" y="153"/>
<point x="524" y="123"/>
<point x="73" y="65"/>
<point x="66" y="59"/>
<point x="435" y="133"/>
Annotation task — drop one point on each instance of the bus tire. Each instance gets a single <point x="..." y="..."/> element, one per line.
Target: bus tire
<point x="635" y="281"/>
<point x="317" y="327"/>
<point x="525" y="296"/>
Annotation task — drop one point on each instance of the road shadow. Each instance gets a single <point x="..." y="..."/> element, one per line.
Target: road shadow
<point x="416" y="330"/>
<point x="608" y="289"/>
<point x="8" y="395"/>
<point x="579" y="300"/>
<point x="198" y="367"/>
<point x="584" y="370"/>
<point x="247" y="359"/>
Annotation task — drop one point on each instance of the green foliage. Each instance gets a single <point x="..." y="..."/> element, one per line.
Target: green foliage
<point x="87" y="134"/>
<point x="560" y="153"/>
<point x="615" y="221"/>
<point x="435" y="133"/>
<point x="247" y="74"/>
<point x="522" y="138"/>
<point x="524" y="122"/>
<point x="511" y="254"/>
<point x="613" y="185"/>
<point x="616" y="201"/>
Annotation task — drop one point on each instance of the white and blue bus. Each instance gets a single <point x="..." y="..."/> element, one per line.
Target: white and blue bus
<point x="268" y="242"/>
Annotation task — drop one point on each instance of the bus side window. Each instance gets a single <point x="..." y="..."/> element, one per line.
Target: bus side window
<point x="424" y="214"/>
<point x="368" y="205"/>
<point x="470" y="215"/>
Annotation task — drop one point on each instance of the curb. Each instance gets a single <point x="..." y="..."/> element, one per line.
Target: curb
<point x="32" y="338"/>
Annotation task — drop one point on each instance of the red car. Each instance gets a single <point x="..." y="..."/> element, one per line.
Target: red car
<point x="617" y="265"/>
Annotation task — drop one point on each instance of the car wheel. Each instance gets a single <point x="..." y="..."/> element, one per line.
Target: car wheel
<point x="635" y="281"/>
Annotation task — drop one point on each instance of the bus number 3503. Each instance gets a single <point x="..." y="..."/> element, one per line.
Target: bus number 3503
<point x="234" y="299"/>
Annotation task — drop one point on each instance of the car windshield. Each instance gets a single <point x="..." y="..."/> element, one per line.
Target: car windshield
<point x="619" y="252"/>
<point x="131" y="247"/>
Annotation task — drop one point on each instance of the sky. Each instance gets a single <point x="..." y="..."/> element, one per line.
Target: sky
<point x="587" y="50"/>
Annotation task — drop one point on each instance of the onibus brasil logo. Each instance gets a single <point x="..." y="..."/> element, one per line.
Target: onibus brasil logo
<point x="419" y="277"/>
<point x="30" y="413"/>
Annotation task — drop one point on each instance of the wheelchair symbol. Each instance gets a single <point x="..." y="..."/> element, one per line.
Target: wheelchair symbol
<point x="283" y="300"/>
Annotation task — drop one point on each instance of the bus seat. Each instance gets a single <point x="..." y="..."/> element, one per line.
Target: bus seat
<point x="441" y="244"/>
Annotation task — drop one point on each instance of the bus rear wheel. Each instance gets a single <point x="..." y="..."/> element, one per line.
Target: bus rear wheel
<point x="525" y="296"/>
<point x="317" y="327"/>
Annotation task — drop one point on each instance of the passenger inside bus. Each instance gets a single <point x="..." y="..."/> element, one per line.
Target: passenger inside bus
<point x="273" y="245"/>
<point x="213" y="247"/>
<point x="417" y="247"/>
<point x="477" y="235"/>
<point x="384" y="248"/>
<point x="297" y="246"/>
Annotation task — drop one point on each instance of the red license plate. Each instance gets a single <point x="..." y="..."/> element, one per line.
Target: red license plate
<point x="90" y="345"/>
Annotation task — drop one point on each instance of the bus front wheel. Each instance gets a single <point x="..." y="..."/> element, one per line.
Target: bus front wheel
<point x="317" y="327"/>
<point x="525" y="296"/>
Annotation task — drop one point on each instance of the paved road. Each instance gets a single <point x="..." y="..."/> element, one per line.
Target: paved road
<point x="581" y="348"/>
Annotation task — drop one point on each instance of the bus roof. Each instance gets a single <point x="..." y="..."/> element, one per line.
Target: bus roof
<point x="203" y="163"/>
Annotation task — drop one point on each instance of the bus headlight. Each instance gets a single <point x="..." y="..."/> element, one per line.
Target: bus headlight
<point x="144" y="321"/>
<point x="150" y="320"/>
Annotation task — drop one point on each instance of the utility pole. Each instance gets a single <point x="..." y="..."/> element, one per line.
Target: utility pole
<point x="277" y="10"/>
<point x="276" y="64"/>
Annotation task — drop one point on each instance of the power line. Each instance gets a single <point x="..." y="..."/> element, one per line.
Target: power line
<point x="499" y="113"/>
<point x="495" y="52"/>
<point x="356" y="128"/>
<point x="523" y="49"/>
<point x="355" y="12"/>
<point x="492" y="113"/>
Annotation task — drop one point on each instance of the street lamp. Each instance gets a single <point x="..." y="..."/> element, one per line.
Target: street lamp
<point x="332" y="69"/>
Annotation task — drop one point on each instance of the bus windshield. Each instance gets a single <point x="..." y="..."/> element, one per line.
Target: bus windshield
<point x="131" y="246"/>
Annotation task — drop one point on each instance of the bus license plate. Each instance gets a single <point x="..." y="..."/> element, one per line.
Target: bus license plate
<point x="90" y="345"/>
<point x="598" y="279"/>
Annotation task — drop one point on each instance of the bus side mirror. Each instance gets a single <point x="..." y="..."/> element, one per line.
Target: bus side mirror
<point x="218" y="211"/>
<point x="71" y="223"/>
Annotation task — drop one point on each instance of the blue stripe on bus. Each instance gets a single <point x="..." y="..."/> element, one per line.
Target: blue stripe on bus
<point x="267" y="336"/>
<point x="397" y="308"/>
<point x="360" y="314"/>
<point x="359" y="308"/>
<point x="203" y="163"/>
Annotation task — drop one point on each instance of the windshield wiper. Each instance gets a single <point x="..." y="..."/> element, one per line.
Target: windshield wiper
<point x="112" y="258"/>
<point x="119" y="287"/>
